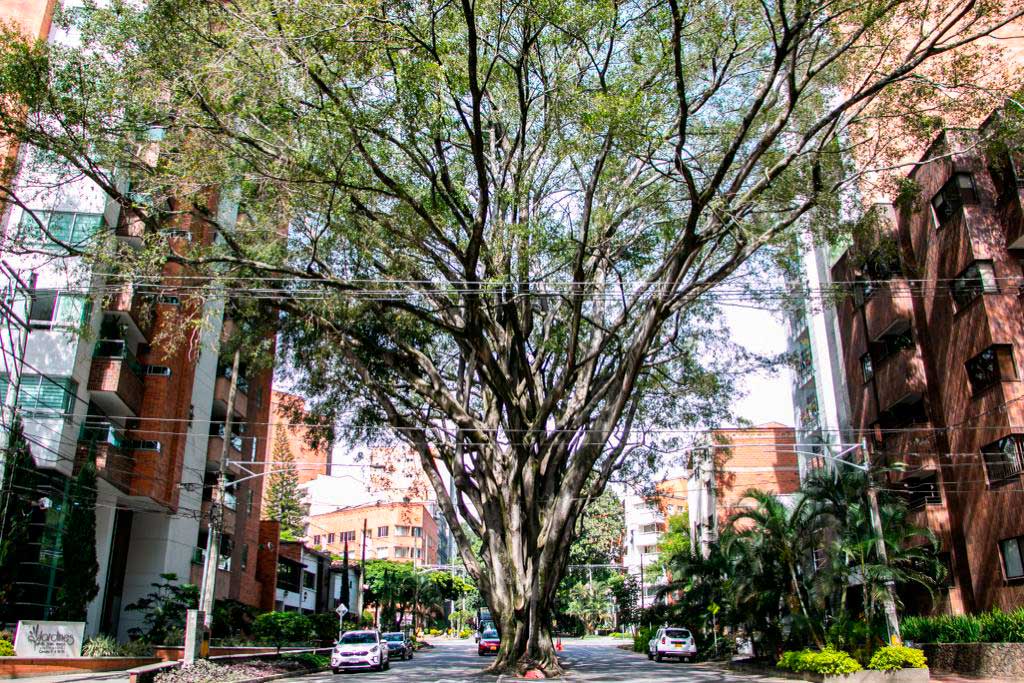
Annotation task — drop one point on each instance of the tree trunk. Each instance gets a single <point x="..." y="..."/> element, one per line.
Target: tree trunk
<point x="522" y="647"/>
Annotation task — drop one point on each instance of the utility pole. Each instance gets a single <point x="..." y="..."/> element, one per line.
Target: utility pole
<point x="362" y="568"/>
<point x="891" y="618"/>
<point x="213" y="535"/>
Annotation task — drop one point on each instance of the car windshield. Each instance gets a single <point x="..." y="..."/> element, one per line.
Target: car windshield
<point x="358" y="639"/>
<point x="677" y="633"/>
<point x="490" y="635"/>
<point x="394" y="637"/>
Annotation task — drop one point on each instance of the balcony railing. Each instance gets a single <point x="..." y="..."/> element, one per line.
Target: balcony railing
<point x="118" y="349"/>
<point x="102" y="433"/>
<point x="243" y="383"/>
<point x="199" y="557"/>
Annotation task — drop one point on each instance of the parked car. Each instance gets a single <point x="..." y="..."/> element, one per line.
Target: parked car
<point x="360" y="650"/>
<point x="672" y="642"/>
<point x="399" y="645"/>
<point x="489" y="642"/>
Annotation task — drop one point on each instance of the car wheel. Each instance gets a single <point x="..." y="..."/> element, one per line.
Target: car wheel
<point x="411" y="653"/>
<point x="387" y="664"/>
<point x="649" y="655"/>
<point x="657" y="657"/>
<point x="335" y="670"/>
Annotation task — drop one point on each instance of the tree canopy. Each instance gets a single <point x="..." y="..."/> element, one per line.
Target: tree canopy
<point x="499" y="229"/>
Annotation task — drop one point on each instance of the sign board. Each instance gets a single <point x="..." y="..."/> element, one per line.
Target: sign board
<point x="49" y="639"/>
<point x="342" y="610"/>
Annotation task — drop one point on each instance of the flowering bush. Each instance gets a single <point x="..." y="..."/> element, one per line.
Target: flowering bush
<point x="895" y="657"/>
<point x="6" y="648"/>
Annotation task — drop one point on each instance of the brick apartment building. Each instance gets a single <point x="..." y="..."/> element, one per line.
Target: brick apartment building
<point x="712" y="489"/>
<point x="394" y="531"/>
<point x="100" y="381"/>
<point x="933" y="338"/>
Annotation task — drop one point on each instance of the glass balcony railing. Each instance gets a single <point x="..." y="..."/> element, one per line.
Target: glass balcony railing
<point x="243" y="383"/>
<point x="102" y="433"/>
<point x="118" y="349"/>
<point x="199" y="557"/>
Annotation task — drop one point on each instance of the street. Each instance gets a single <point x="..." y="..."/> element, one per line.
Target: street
<point x="585" y="660"/>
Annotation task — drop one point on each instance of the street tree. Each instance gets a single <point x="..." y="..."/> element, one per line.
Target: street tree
<point x="78" y="547"/>
<point x="284" y="497"/>
<point x="496" y="228"/>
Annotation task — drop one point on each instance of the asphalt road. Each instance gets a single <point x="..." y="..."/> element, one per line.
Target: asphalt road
<point x="596" y="660"/>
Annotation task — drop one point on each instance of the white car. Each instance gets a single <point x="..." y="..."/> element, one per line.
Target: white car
<point x="672" y="642"/>
<point x="360" y="650"/>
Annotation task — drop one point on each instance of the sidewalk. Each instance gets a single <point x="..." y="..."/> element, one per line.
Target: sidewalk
<point x="90" y="677"/>
<point x="943" y="677"/>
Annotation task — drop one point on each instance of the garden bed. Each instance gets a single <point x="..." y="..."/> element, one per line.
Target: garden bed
<point x="235" y="668"/>
<point x="862" y="676"/>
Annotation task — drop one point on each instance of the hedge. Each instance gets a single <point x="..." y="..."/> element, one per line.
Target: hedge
<point x="989" y="627"/>
<point x="642" y="638"/>
<point x="827" y="662"/>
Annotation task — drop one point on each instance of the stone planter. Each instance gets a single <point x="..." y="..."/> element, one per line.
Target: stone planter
<point x="976" y="659"/>
<point x="27" y="667"/>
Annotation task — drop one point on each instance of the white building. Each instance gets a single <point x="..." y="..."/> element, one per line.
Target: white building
<point x="644" y="524"/>
<point x="821" y="401"/>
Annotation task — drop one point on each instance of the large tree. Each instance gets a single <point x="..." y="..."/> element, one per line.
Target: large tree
<point x="284" y="497"/>
<point x="505" y="220"/>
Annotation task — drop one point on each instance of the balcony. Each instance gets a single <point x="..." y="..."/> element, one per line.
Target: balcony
<point x="228" y="526"/>
<point x="199" y="559"/>
<point x="115" y="378"/>
<point x="103" y="443"/>
<point x="889" y="306"/>
<point x="223" y="387"/>
<point x="131" y="307"/>
<point x="215" y="446"/>
<point x="899" y="376"/>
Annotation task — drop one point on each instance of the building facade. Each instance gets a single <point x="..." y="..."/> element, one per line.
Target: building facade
<point x="130" y="376"/>
<point x="711" y="489"/>
<point x="404" y="532"/>
<point x="934" y="337"/>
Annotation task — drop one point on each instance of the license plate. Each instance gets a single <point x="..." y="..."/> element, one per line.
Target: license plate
<point x="493" y="647"/>
<point x="679" y="646"/>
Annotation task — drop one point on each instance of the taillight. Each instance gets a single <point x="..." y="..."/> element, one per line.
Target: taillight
<point x="662" y="641"/>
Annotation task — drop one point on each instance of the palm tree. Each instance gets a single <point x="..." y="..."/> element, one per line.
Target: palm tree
<point x="781" y="533"/>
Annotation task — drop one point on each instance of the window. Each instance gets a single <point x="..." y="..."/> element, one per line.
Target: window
<point x="891" y="343"/>
<point x="402" y="553"/>
<point x="649" y="549"/>
<point x="308" y="580"/>
<point x="866" y="368"/>
<point x="382" y="531"/>
<point x="287" y="576"/>
<point x="922" y="490"/>
<point x="143" y="445"/>
<point x="1004" y="458"/>
<point x="168" y="300"/>
<point x="417" y="532"/>
<point x="249" y="502"/>
<point x="990" y="367"/>
<point x="245" y="556"/>
<point x="230" y="499"/>
<point x="158" y="370"/>
<point x="330" y="538"/>
<point x="316" y="539"/>
<point x="382" y="553"/>
<point x="74" y="229"/>
<point x="51" y="307"/>
<point x="652" y="528"/>
<point x="42" y="395"/>
<point x="348" y="535"/>
<point x="904" y="413"/>
<point x="401" y="531"/>
<point x="977" y="278"/>
<point x="948" y="201"/>
<point x="1013" y="552"/>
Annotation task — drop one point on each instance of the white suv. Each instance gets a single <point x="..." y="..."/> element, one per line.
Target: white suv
<point x="672" y="642"/>
<point x="360" y="650"/>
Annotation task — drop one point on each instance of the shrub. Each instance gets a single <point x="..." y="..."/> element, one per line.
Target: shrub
<point x="101" y="646"/>
<point x="308" y="660"/>
<point x="326" y="626"/>
<point x="642" y="638"/>
<point x="137" y="648"/>
<point x="614" y="634"/>
<point x="283" y="627"/>
<point x="465" y="633"/>
<point x="434" y="632"/>
<point x="1002" y="627"/>
<point x="828" y="662"/>
<point x="895" y="657"/>
<point x="6" y="648"/>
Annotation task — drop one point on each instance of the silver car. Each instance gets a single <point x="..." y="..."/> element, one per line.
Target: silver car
<point x="672" y="642"/>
